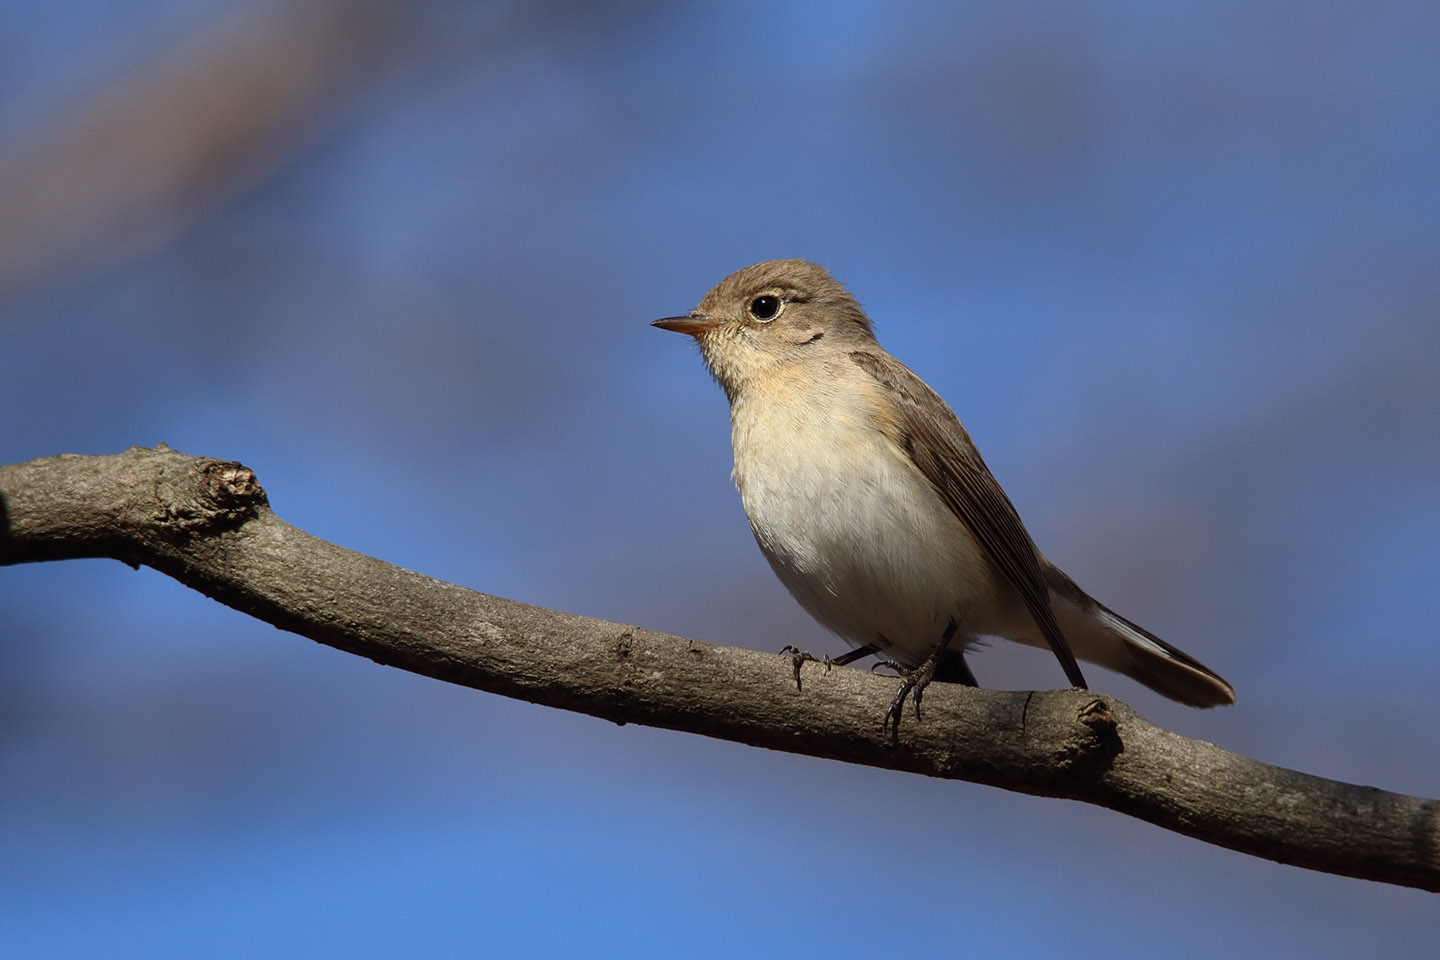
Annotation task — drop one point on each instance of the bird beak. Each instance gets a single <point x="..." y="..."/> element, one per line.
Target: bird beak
<point x="695" y="324"/>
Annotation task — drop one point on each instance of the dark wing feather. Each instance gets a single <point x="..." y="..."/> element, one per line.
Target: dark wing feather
<point x="946" y="455"/>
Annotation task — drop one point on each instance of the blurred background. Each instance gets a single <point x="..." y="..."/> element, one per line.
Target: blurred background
<point x="1177" y="266"/>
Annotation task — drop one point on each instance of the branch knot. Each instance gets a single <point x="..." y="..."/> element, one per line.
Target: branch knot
<point x="202" y="494"/>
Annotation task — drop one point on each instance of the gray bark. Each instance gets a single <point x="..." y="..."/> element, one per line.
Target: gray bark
<point x="207" y="523"/>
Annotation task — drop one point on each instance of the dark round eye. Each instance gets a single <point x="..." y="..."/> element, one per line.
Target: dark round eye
<point x="765" y="308"/>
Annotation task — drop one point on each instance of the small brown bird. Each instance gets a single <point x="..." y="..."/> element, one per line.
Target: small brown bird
<point x="874" y="507"/>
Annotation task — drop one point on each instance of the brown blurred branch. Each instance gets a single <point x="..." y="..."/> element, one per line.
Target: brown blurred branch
<point x="207" y="523"/>
<point x="159" y="146"/>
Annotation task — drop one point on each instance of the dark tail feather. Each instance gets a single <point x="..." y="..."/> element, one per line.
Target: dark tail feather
<point x="1168" y="670"/>
<point x="952" y="668"/>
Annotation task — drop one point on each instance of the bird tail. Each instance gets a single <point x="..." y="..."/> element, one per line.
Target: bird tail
<point x="1100" y="635"/>
<point x="1166" y="669"/>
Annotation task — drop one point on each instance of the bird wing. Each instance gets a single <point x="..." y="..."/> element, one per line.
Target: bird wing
<point x="943" y="451"/>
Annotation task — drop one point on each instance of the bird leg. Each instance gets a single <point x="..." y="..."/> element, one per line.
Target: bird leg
<point x="798" y="656"/>
<point x="914" y="681"/>
<point x="850" y="656"/>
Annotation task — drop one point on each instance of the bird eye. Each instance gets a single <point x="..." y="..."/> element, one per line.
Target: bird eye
<point x="765" y="308"/>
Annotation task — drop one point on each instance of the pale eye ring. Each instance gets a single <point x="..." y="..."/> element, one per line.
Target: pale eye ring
<point x="765" y="308"/>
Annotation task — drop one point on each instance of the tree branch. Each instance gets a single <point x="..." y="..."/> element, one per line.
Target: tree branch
<point x="207" y="523"/>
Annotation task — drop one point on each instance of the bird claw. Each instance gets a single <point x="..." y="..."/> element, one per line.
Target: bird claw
<point x="913" y="683"/>
<point x="889" y="664"/>
<point x="798" y="657"/>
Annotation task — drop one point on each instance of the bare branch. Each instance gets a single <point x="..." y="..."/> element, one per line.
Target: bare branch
<point x="207" y="523"/>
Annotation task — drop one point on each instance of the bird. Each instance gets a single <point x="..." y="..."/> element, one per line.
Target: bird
<point x="874" y="507"/>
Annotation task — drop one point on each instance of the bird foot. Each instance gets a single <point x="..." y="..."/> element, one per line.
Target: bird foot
<point x="798" y="657"/>
<point x="885" y="663"/>
<point x="913" y="683"/>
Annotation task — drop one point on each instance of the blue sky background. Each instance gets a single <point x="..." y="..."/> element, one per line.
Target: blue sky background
<point x="1174" y="264"/>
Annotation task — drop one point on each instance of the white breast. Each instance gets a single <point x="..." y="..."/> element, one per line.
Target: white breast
<point x="852" y="528"/>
